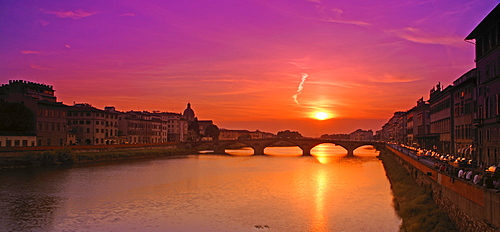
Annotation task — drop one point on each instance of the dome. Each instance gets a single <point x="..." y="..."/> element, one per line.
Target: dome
<point x="189" y="113"/>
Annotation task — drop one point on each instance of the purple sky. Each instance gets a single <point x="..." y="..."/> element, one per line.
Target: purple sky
<point x="267" y="65"/>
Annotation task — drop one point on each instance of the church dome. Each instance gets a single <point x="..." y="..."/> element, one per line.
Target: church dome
<point x="189" y="113"/>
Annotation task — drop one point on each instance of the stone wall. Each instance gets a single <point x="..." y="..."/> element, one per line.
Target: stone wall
<point x="470" y="207"/>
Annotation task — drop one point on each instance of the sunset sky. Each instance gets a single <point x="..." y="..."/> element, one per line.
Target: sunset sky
<point x="269" y="65"/>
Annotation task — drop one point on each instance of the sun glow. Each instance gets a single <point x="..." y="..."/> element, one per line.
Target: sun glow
<point x="321" y="115"/>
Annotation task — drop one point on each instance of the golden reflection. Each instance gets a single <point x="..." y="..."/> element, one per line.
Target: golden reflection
<point x="328" y="153"/>
<point x="283" y="151"/>
<point x="320" y="220"/>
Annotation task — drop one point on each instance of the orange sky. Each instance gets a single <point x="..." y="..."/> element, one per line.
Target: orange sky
<point x="240" y="64"/>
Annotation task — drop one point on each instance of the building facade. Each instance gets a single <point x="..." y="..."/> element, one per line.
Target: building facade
<point x="92" y="126"/>
<point x="441" y="123"/>
<point x="487" y="116"/>
<point x="50" y="115"/>
<point x="463" y="111"/>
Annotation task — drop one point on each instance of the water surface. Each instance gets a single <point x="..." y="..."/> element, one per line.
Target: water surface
<point x="205" y="193"/>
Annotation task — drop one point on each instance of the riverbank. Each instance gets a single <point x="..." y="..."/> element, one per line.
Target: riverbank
<point x="67" y="156"/>
<point x="414" y="203"/>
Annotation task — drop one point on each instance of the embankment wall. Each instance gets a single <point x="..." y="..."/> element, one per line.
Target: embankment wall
<point x="471" y="207"/>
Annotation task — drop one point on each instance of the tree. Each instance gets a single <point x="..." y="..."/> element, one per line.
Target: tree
<point x="16" y="117"/>
<point x="289" y="134"/>
<point x="194" y="126"/>
<point x="245" y="136"/>
<point x="212" y="131"/>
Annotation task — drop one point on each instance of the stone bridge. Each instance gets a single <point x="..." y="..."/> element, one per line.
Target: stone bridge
<point x="306" y="144"/>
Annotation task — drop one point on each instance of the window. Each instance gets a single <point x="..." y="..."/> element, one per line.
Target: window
<point x="88" y="114"/>
<point x="17" y="143"/>
<point x="88" y="130"/>
<point x="96" y="130"/>
<point x="87" y="122"/>
<point x="8" y="143"/>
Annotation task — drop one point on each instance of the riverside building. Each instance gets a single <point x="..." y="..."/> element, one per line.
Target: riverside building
<point x="92" y="126"/>
<point x="465" y="116"/>
<point x="50" y="126"/>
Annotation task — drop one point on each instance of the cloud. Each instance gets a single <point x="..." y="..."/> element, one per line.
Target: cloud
<point x="128" y="14"/>
<point x="358" y="23"/>
<point x="301" y="63"/>
<point x="77" y="14"/>
<point x="27" y="52"/>
<point x="67" y="46"/>
<point x="387" y="78"/>
<point x="44" y="23"/>
<point x="299" y="89"/>
<point x="334" y="15"/>
<point x="418" y="36"/>
<point x="38" y="67"/>
<point x="316" y="1"/>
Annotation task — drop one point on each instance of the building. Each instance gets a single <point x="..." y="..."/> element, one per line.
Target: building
<point x="92" y="126"/>
<point x="140" y="127"/>
<point x="196" y="128"/>
<point x="421" y="125"/>
<point x="441" y="123"/>
<point x="50" y="115"/>
<point x="486" y="36"/>
<point x="361" y="135"/>
<point x="176" y="126"/>
<point x="226" y="134"/>
<point x="394" y="130"/>
<point x="463" y="93"/>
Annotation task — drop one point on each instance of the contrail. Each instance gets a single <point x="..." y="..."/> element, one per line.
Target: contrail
<point x="299" y="89"/>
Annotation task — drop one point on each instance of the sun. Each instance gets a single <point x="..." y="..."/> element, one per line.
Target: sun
<point x="321" y="115"/>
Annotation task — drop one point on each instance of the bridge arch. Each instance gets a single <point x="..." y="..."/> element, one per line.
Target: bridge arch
<point x="258" y="145"/>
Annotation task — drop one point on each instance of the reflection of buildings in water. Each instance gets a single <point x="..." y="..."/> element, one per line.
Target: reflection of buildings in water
<point x="29" y="212"/>
<point x="27" y="200"/>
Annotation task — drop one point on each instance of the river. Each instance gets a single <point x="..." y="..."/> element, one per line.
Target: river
<point x="279" y="192"/>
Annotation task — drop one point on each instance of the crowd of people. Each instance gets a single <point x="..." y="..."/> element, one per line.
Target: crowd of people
<point x="487" y="176"/>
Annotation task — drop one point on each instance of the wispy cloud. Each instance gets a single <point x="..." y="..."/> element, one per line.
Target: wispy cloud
<point x="302" y="63"/>
<point x="28" y="52"/>
<point x="39" y="67"/>
<point x="44" y="23"/>
<point x="388" y="78"/>
<point x="334" y="15"/>
<point x="128" y="14"/>
<point x="418" y="36"/>
<point x="299" y="89"/>
<point x="76" y="14"/>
